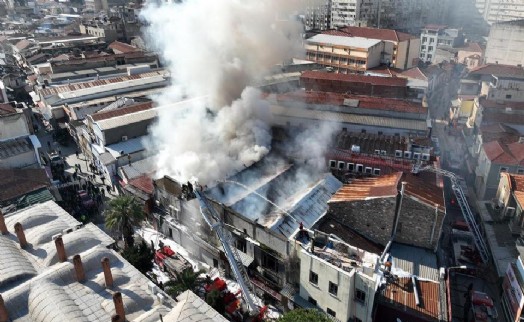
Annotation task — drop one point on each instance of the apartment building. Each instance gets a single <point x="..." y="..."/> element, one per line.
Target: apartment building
<point x="495" y="11"/>
<point x="433" y="36"/>
<point x="352" y="13"/>
<point x="400" y="50"/>
<point x="338" y="278"/>
<point x="505" y="43"/>
<point x="344" y="54"/>
<point x="318" y="15"/>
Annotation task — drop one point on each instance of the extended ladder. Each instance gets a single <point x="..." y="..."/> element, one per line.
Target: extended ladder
<point x="231" y="252"/>
<point x="464" y="207"/>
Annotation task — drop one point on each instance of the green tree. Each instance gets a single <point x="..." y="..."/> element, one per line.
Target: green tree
<point x="216" y="301"/>
<point x="304" y="315"/>
<point x="186" y="280"/>
<point x="140" y="256"/>
<point x="124" y="212"/>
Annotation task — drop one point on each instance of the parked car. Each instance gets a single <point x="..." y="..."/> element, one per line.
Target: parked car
<point x="85" y="199"/>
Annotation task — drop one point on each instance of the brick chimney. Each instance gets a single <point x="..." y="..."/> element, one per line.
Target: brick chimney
<point x="106" y="267"/>
<point x="3" y="227"/>
<point x="60" y="250"/>
<point x="20" y="235"/>
<point x="4" y="317"/>
<point x="79" y="269"/>
<point x="119" y="306"/>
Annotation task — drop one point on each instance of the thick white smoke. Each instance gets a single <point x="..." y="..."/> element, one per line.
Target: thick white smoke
<point x="214" y="49"/>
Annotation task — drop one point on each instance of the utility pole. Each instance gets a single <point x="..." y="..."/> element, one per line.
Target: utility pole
<point x="378" y="19"/>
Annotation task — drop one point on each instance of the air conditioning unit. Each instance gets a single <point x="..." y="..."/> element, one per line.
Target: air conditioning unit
<point x="509" y="212"/>
<point x="124" y="138"/>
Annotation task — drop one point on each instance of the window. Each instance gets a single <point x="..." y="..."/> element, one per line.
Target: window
<point x="368" y="170"/>
<point x="341" y="165"/>
<point x="424" y="39"/>
<point x="376" y="172"/>
<point x="508" y="96"/>
<point x="332" y="163"/>
<point x="312" y="300"/>
<point x="269" y="262"/>
<point x="241" y="245"/>
<point x="430" y="48"/>
<point x="360" y="295"/>
<point x="331" y="312"/>
<point x="377" y="151"/>
<point x="423" y="47"/>
<point x="333" y="288"/>
<point x="360" y="168"/>
<point x="313" y="277"/>
<point x="351" y="167"/>
<point x="430" y="57"/>
<point x="398" y="154"/>
<point x="503" y="169"/>
<point x="520" y="171"/>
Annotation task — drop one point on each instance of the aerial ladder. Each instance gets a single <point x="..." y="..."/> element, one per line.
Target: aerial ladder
<point x="464" y="207"/>
<point x="210" y="216"/>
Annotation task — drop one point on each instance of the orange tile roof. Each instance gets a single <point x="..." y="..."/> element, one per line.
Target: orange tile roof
<point x="510" y="154"/>
<point x="367" y="102"/>
<point x="368" y="188"/>
<point x="143" y="183"/>
<point x="426" y="187"/>
<point x="122" y="111"/>
<point x="471" y="46"/>
<point x="371" y="33"/>
<point x="498" y="70"/>
<point x="122" y="47"/>
<point x="402" y="296"/>
<point x="354" y="78"/>
<point x="415" y="73"/>
<point x="495" y="104"/>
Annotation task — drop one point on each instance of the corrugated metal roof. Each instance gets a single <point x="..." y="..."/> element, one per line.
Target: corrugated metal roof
<point x="356" y="42"/>
<point x="370" y="120"/>
<point x="401" y="296"/>
<point x="129" y="146"/>
<point x="138" y="168"/>
<point x="10" y="148"/>
<point x="415" y="261"/>
<point x="127" y="119"/>
<point x="368" y="188"/>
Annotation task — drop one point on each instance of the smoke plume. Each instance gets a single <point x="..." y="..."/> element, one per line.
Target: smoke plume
<point x="214" y="50"/>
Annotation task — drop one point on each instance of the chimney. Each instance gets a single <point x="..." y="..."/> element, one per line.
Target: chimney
<point x="79" y="268"/>
<point x="119" y="307"/>
<point x="4" y="317"/>
<point x="20" y="235"/>
<point x="60" y="250"/>
<point x="3" y="227"/>
<point x="107" y="272"/>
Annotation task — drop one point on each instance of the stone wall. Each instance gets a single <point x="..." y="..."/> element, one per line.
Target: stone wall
<point x="417" y="224"/>
<point x="371" y="218"/>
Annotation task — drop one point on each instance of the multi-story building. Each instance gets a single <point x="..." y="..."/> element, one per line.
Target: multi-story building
<point x="409" y="15"/>
<point x="337" y="277"/>
<point x="433" y="36"/>
<point x="505" y="43"/>
<point x="495" y="11"/>
<point x="352" y="13"/>
<point x="318" y="15"/>
<point x="400" y="50"/>
<point x="353" y="113"/>
<point x="344" y="54"/>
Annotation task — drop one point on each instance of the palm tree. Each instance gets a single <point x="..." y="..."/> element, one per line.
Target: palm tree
<point x="186" y="280"/>
<point x="124" y="212"/>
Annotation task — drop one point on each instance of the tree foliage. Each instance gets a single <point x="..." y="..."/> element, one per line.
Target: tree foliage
<point x="140" y="256"/>
<point x="304" y="315"/>
<point x="186" y="280"/>
<point x="124" y="212"/>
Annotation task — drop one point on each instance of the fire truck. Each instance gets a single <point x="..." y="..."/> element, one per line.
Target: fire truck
<point x="171" y="262"/>
<point x="482" y="308"/>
